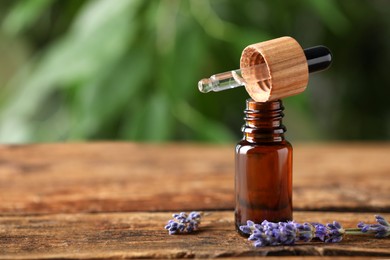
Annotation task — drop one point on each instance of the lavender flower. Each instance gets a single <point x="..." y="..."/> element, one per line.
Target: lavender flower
<point x="382" y="229"/>
<point x="306" y="232"/>
<point x="183" y="223"/>
<point x="270" y="234"/>
<point x="320" y="231"/>
<point x="335" y="232"/>
<point x="267" y="233"/>
<point x="287" y="233"/>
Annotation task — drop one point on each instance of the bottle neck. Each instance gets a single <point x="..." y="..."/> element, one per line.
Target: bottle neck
<point x="263" y="121"/>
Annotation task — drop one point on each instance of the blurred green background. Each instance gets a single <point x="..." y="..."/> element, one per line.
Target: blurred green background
<point x="128" y="69"/>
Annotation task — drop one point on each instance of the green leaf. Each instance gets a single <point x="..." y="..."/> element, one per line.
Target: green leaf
<point x="85" y="52"/>
<point x="103" y="100"/>
<point x="206" y="129"/>
<point x="151" y="120"/>
<point x="23" y="14"/>
<point x="331" y="15"/>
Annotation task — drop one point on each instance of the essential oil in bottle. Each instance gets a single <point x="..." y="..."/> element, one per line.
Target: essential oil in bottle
<point x="263" y="177"/>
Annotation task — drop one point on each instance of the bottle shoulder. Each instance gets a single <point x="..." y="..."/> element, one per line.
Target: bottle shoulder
<point x="244" y="142"/>
<point x="247" y="147"/>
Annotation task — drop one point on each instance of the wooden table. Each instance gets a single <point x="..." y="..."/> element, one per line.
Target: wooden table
<point x="112" y="200"/>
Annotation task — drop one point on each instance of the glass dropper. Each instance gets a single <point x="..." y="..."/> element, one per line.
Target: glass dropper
<point x="234" y="78"/>
<point x="318" y="58"/>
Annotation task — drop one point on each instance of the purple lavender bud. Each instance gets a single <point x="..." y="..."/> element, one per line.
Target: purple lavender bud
<point x="250" y="223"/>
<point x="183" y="223"/>
<point x="181" y="227"/>
<point x="331" y="226"/>
<point x="172" y="229"/>
<point x="360" y="224"/>
<point x="337" y="225"/>
<point x="305" y="232"/>
<point x="190" y="229"/>
<point x="269" y="225"/>
<point x="320" y="231"/>
<point x="258" y="239"/>
<point x="366" y="228"/>
<point x="182" y="216"/>
<point x="256" y="226"/>
<point x="377" y="229"/>
<point x="194" y="215"/>
<point x="382" y="229"/>
<point x="249" y="227"/>
<point x="245" y="229"/>
<point x="335" y="232"/>
<point x="254" y="237"/>
<point x="275" y="233"/>
<point x="288" y="233"/>
<point x="381" y="220"/>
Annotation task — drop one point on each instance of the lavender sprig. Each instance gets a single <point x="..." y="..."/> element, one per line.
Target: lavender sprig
<point x="287" y="233"/>
<point x="183" y="223"/>
<point x="382" y="229"/>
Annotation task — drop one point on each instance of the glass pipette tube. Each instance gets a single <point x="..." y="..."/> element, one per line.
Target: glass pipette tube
<point x="318" y="58"/>
<point x="234" y="78"/>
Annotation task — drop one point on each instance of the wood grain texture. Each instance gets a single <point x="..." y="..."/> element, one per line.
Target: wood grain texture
<point x="141" y="235"/>
<point x="104" y="177"/>
<point x="120" y="177"/>
<point x="287" y="68"/>
<point x="48" y="192"/>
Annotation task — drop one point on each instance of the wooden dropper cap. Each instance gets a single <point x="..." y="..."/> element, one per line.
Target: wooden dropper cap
<point x="287" y="66"/>
<point x="271" y="70"/>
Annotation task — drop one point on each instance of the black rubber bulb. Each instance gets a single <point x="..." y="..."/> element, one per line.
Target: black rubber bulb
<point x="318" y="58"/>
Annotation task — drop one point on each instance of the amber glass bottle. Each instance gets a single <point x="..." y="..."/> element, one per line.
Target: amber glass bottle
<point x="263" y="180"/>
